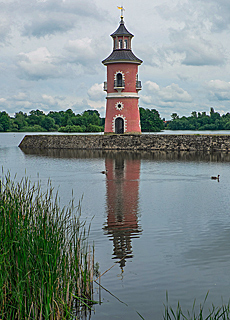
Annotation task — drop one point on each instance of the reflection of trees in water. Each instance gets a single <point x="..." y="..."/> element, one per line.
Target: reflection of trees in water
<point x="122" y="205"/>
<point x="141" y="155"/>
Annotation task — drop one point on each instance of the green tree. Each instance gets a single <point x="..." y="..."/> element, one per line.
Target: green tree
<point x="174" y="116"/>
<point x="77" y="120"/>
<point x="214" y="115"/>
<point x="227" y="125"/>
<point x="48" y="123"/>
<point x="92" y="112"/>
<point x="150" y="120"/>
<point x="95" y="120"/>
<point x="94" y="128"/>
<point x="71" y="129"/>
<point x="35" y="128"/>
<point x="194" y="114"/>
<point x="35" y="117"/>
<point x="20" y="119"/>
<point x="66" y="117"/>
<point x="70" y="113"/>
<point x="4" y="121"/>
<point x="56" y="116"/>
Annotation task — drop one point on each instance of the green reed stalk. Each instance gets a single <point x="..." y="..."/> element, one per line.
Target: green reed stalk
<point x="46" y="266"/>
<point x="215" y="313"/>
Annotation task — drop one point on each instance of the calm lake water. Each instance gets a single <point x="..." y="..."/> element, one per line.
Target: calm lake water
<point x="159" y="214"/>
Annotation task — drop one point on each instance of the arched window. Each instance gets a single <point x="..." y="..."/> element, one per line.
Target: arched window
<point x="126" y="44"/>
<point x="120" y="44"/>
<point x="119" y="80"/>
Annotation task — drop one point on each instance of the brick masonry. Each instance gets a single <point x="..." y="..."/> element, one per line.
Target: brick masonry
<point x="146" y="142"/>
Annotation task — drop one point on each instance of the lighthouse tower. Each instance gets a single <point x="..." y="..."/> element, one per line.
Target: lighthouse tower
<point x="122" y="86"/>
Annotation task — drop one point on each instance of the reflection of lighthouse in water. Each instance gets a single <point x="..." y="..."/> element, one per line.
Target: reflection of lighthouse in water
<point x="122" y="185"/>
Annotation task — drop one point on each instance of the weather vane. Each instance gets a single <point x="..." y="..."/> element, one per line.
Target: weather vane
<point x="122" y="11"/>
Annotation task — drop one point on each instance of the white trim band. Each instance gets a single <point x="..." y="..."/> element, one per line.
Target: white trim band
<point x="122" y="95"/>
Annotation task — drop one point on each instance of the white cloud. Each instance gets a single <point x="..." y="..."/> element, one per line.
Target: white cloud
<point x="40" y="55"/>
<point x="152" y="86"/>
<point x="147" y="99"/>
<point x="170" y="93"/>
<point x="191" y="32"/>
<point x="175" y="93"/>
<point x="200" y="53"/>
<point x="49" y="99"/>
<point x="217" y="13"/>
<point x="96" y="92"/>
<point x="84" y="54"/>
<point x="219" y="85"/>
<point x="76" y="7"/>
<point x="43" y="26"/>
<point x="185" y="48"/>
<point x="38" y="64"/>
<point x="21" y="96"/>
<point x="81" y="106"/>
<point x="81" y="50"/>
<point x="5" y="30"/>
<point x="35" y="7"/>
<point x="3" y="103"/>
<point x="191" y="49"/>
<point x="219" y="89"/>
<point x="23" y="104"/>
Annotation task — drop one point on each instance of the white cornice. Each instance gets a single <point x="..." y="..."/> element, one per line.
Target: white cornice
<point x="121" y="61"/>
<point x="122" y="95"/>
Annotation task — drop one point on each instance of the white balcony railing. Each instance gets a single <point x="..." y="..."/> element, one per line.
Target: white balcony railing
<point x="138" y="85"/>
<point x="119" y="84"/>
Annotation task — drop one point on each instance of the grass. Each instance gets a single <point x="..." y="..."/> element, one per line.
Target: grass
<point x="215" y="313"/>
<point x="46" y="265"/>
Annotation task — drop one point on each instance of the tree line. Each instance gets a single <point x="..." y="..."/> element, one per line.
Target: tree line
<point x="68" y="121"/>
<point x="62" y="121"/>
<point x="91" y="121"/>
<point x="200" y="121"/>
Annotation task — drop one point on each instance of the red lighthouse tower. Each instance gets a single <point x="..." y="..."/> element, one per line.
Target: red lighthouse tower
<point x="122" y="86"/>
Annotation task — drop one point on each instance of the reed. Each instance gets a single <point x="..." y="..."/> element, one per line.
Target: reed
<point x="214" y="313"/>
<point x="46" y="264"/>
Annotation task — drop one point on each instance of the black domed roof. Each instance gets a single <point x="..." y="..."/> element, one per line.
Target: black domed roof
<point x="121" y="30"/>
<point x="124" y="55"/>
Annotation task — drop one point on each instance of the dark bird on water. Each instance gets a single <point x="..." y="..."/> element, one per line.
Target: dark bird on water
<point x="216" y="178"/>
<point x="104" y="171"/>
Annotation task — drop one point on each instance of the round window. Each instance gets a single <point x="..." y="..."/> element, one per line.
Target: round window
<point x="119" y="106"/>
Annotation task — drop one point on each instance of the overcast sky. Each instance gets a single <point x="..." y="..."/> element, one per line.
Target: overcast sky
<point x="51" y="53"/>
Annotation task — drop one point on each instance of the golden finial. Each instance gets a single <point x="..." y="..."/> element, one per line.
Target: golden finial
<point x="122" y="11"/>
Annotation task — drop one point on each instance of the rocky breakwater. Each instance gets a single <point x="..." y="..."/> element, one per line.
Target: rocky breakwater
<point x="147" y="142"/>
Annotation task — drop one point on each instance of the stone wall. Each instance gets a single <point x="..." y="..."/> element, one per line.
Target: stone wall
<point x="146" y="142"/>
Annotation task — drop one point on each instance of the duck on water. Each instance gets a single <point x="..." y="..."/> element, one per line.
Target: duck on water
<point x="104" y="171"/>
<point x="216" y="178"/>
